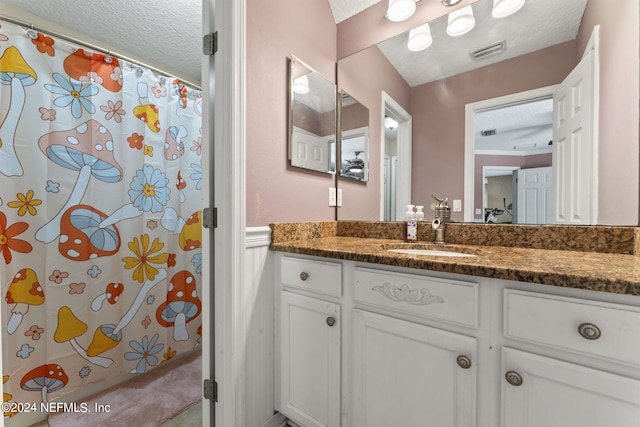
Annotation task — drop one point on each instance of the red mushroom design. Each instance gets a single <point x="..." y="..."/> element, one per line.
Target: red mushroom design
<point x="87" y="149"/>
<point x="111" y="294"/>
<point x="82" y="63"/>
<point x="24" y="290"/>
<point x="82" y="238"/>
<point x="45" y="379"/>
<point x="181" y="184"/>
<point x="182" y="305"/>
<point x="14" y="71"/>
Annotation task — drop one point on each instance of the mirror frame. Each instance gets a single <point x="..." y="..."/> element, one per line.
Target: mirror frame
<point x="325" y="143"/>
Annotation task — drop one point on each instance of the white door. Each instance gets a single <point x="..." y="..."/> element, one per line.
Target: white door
<point x="309" y="360"/>
<point x="541" y="392"/>
<point x="533" y="202"/>
<point x="310" y="151"/>
<point x="575" y="142"/>
<point x="390" y="167"/>
<point x="406" y="374"/>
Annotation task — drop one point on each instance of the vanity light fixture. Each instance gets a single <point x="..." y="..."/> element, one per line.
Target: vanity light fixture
<point x="420" y="38"/>
<point x="301" y="85"/>
<point x="390" y="123"/>
<point x="450" y="2"/>
<point x="502" y="8"/>
<point x="461" y="21"/>
<point x="399" y="10"/>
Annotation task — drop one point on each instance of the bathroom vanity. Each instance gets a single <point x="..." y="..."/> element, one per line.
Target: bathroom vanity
<point x="369" y="336"/>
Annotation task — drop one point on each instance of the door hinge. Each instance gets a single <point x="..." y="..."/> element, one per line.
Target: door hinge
<point x="210" y="390"/>
<point x="210" y="217"/>
<point x="210" y="43"/>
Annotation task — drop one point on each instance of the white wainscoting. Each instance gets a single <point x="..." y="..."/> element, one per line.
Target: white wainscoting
<point x="258" y="327"/>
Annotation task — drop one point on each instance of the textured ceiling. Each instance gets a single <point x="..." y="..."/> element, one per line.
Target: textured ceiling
<point x="523" y="128"/>
<point x="165" y="33"/>
<point x="343" y="9"/>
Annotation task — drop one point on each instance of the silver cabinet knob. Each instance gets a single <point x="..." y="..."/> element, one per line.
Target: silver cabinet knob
<point x="464" y="362"/>
<point x="304" y="276"/>
<point x="589" y="331"/>
<point x="331" y="321"/>
<point x="513" y="378"/>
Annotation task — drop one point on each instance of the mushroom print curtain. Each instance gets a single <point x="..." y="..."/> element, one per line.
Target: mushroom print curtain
<point x="100" y="198"/>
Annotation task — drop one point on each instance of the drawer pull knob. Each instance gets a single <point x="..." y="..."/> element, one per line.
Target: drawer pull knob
<point x="331" y="321"/>
<point x="589" y="331"/>
<point x="464" y="362"/>
<point x="304" y="276"/>
<point x="513" y="378"/>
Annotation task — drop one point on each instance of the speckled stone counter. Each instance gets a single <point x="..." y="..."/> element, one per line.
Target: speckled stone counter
<point x="591" y="269"/>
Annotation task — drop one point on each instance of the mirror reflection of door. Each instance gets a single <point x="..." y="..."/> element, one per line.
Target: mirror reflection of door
<point x="396" y="140"/>
<point x="508" y="138"/>
<point x="390" y="128"/>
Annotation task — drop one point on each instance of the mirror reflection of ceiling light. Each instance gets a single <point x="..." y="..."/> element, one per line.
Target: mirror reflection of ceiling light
<point x="420" y="38"/>
<point x="389" y="123"/>
<point x="301" y="85"/>
<point x="461" y="21"/>
<point x="399" y="10"/>
<point x="502" y="8"/>
<point x="450" y="2"/>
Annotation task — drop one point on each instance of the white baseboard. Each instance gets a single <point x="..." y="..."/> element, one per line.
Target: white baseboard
<point x="278" y="420"/>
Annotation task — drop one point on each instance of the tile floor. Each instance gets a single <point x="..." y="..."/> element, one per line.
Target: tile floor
<point x="190" y="417"/>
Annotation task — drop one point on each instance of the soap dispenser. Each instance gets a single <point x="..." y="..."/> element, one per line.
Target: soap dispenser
<point x="419" y="213"/>
<point x="411" y="228"/>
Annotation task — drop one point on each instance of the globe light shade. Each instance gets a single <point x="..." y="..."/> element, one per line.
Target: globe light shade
<point x="420" y="38"/>
<point x="399" y="10"/>
<point x="461" y="21"/>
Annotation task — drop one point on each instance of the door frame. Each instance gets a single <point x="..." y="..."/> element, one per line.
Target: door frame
<point x="403" y="182"/>
<point x="470" y="111"/>
<point x="224" y="127"/>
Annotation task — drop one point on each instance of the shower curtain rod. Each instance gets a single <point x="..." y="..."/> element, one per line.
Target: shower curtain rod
<point x="93" y="47"/>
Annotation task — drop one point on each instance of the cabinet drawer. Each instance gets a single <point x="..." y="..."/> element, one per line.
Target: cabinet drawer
<point x="603" y="330"/>
<point x="317" y="276"/>
<point x="451" y="301"/>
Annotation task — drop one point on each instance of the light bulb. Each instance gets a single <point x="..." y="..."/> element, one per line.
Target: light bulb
<point x="502" y="8"/>
<point x="399" y="10"/>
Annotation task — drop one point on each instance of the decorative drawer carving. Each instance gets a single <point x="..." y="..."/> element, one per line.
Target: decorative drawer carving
<point x="316" y="276"/>
<point x="598" y="329"/>
<point x="447" y="300"/>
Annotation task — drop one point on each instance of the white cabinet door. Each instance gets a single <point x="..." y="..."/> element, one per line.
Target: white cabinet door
<point x="539" y="391"/>
<point x="406" y="374"/>
<point x="310" y="360"/>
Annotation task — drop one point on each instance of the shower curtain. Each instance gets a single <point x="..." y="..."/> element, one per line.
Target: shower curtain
<point x="100" y="222"/>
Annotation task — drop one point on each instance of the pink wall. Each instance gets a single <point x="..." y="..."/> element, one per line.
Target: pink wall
<point x="361" y="200"/>
<point x="619" y="155"/>
<point x="523" y="162"/>
<point x="276" y="29"/>
<point x="437" y="109"/>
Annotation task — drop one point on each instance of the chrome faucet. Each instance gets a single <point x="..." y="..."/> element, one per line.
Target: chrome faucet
<point x="443" y="215"/>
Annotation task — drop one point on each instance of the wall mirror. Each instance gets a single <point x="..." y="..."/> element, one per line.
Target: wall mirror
<point x="354" y="138"/>
<point x="435" y="85"/>
<point x="312" y="118"/>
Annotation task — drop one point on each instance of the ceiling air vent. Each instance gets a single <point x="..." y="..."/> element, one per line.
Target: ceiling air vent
<point x="489" y="132"/>
<point x="489" y="50"/>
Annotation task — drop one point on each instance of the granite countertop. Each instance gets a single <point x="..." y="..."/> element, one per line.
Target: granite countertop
<point x="606" y="272"/>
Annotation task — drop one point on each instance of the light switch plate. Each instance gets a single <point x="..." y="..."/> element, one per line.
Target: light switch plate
<point x="457" y="205"/>
<point x="339" y="196"/>
<point x="478" y="211"/>
<point x="332" y="196"/>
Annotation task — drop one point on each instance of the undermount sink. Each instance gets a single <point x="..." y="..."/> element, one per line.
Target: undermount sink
<point x="427" y="250"/>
